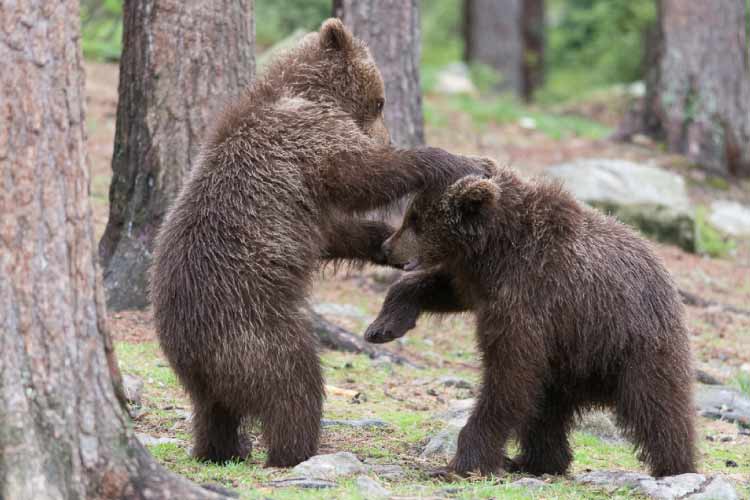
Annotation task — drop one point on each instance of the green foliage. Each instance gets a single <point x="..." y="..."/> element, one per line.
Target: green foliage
<point x="101" y="29"/>
<point x="708" y="240"/>
<point x="593" y="43"/>
<point x="275" y="20"/>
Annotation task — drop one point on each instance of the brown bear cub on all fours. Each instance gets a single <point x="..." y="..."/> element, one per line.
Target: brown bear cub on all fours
<point x="276" y="191"/>
<point x="573" y="311"/>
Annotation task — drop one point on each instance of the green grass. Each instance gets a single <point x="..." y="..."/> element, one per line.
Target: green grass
<point x="708" y="240"/>
<point x="400" y="443"/>
<point x="502" y="110"/>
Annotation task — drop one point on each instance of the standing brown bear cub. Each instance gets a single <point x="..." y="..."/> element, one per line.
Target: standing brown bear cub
<point x="573" y="311"/>
<point x="274" y="192"/>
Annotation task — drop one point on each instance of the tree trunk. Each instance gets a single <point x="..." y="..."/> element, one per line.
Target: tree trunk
<point x="63" y="431"/>
<point x="698" y="97"/>
<point x="391" y="29"/>
<point x="533" y="26"/>
<point x="508" y="36"/>
<point x="181" y="60"/>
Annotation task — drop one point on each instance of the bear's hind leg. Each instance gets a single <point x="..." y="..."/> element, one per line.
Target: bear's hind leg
<point x="655" y="407"/>
<point x="544" y="439"/>
<point x="291" y="421"/>
<point x="216" y="433"/>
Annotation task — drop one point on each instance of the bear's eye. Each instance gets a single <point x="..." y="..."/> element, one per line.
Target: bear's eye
<point x="414" y="222"/>
<point x="379" y="104"/>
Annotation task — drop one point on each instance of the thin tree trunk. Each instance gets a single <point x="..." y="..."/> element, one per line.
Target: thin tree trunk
<point x="698" y="97"/>
<point x="391" y="29"/>
<point x="533" y="27"/>
<point x="63" y="431"/>
<point x="181" y="60"/>
<point x="508" y="36"/>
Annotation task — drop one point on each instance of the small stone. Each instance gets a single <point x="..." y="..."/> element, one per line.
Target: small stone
<point x="217" y="488"/>
<point x="369" y="488"/>
<point x="458" y="409"/>
<point x="147" y="440"/>
<point x="726" y="439"/>
<point x="687" y="486"/>
<point x="330" y="466"/>
<point x="302" y="482"/>
<point x="722" y="402"/>
<point x="387" y="471"/>
<point x="133" y="387"/>
<point x="731" y="463"/>
<point x="529" y="482"/>
<point x="367" y="423"/>
<point x="445" y="442"/>
<point x="456" y="382"/>
<point x="704" y="377"/>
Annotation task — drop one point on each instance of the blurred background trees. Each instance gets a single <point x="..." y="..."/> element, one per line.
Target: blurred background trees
<point x="547" y="52"/>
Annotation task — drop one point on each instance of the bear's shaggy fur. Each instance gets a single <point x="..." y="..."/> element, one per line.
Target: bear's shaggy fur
<point x="275" y="189"/>
<point x="573" y="311"/>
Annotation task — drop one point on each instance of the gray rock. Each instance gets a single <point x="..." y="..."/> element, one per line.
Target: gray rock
<point x="366" y="423"/>
<point x="392" y="472"/>
<point x="341" y="310"/>
<point x="529" y="483"/>
<point x="444" y="443"/>
<point x="722" y="402"/>
<point x="600" y="424"/>
<point x="730" y="217"/>
<point x="133" y="387"/>
<point x="616" y="479"/>
<point x="649" y="198"/>
<point x="718" y="488"/>
<point x="302" y="482"/>
<point x="671" y="487"/>
<point x="456" y="382"/>
<point x="330" y="466"/>
<point x="687" y="486"/>
<point x="147" y="440"/>
<point x="369" y="488"/>
<point x="455" y="79"/>
<point x="458" y="409"/>
<point x="705" y="377"/>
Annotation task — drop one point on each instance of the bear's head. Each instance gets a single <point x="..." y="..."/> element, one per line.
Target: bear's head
<point x="335" y="69"/>
<point x="445" y="226"/>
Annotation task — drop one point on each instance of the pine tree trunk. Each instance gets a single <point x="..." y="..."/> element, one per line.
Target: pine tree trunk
<point x="508" y="36"/>
<point x="63" y="431"/>
<point x="698" y="97"/>
<point x="181" y="61"/>
<point x="533" y="26"/>
<point x="391" y="29"/>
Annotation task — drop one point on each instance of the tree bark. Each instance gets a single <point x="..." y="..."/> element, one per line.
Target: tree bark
<point x="508" y="36"/>
<point x="181" y="60"/>
<point x="698" y="95"/>
<point x="63" y="431"/>
<point x="391" y="29"/>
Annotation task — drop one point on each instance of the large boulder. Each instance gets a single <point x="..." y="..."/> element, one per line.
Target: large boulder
<point x="730" y="217"/>
<point x="649" y="198"/>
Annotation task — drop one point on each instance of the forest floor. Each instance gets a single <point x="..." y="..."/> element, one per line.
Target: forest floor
<point x="407" y="398"/>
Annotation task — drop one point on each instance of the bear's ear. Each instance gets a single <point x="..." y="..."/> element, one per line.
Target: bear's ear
<point x="335" y="36"/>
<point x="472" y="195"/>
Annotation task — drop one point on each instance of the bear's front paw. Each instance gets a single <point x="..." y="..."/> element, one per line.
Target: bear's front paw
<point x="387" y="328"/>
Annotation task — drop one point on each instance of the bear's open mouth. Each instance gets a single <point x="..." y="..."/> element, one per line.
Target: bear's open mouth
<point x="412" y="264"/>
